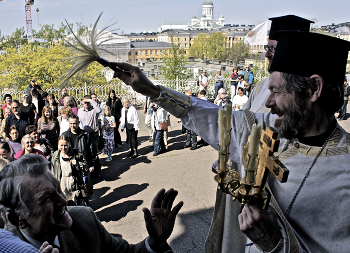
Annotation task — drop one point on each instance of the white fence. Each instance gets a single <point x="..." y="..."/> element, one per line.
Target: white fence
<point x="122" y="90"/>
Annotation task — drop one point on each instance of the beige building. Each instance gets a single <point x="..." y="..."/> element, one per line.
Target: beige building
<point x="145" y="51"/>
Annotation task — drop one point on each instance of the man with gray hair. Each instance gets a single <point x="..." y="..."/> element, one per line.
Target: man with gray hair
<point x="36" y="211"/>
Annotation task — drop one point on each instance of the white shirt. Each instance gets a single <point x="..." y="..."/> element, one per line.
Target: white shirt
<point x="36" y="103"/>
<point x="133" y="118"/>
<point x="239" y="100"/>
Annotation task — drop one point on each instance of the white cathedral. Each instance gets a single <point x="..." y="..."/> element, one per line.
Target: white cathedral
<point x="207" y="20"/>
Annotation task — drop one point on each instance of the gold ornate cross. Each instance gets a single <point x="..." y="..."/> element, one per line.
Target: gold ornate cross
<point x="266" y="162"/>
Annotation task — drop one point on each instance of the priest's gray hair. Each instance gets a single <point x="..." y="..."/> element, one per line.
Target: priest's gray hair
<point x="332" y="95"/>
<point x="12" y="196"/>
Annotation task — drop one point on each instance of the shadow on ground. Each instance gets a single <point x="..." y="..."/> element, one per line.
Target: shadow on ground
<point x="196" y="228"/>
<point x="118" y="211"/>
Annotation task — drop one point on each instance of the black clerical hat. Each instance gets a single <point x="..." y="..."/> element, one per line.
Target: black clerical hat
<point x="305" y="54"/>
<point x="290" y="23"/>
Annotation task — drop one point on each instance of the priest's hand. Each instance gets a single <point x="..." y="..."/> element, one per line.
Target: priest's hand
<point x="136" y="79"/>
<point x="160" y="219"/>
<point x="260" y="226"/>
<point x="47" y="248"/>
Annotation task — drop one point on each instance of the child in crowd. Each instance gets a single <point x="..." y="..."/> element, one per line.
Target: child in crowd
<point x="108" y="124"/>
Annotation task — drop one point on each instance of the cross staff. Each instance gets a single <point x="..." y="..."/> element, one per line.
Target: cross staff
<point x="266" y="162"/>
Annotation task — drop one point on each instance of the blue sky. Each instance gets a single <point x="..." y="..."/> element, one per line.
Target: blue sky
<point x="148" y="15"/>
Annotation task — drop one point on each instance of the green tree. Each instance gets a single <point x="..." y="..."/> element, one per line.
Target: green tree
<point x="175" y="62"/>
<point x="238" y="52"/>
<point x="198" y="49"/>
<point x="215" y="46"/>
<point x="16" y="39"/>
<point x="45" y="64"/>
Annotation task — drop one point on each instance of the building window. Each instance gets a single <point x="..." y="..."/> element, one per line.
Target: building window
<point x="156" y="52"/>
<point x="146" y="52"/>
<point x="136" y="52"/>
<point x="151" y="52"/>
<point x="185" y="45"/>
<point x="141" y="52"/>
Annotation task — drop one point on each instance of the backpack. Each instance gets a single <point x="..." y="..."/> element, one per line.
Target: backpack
<point x="198" y="80"/>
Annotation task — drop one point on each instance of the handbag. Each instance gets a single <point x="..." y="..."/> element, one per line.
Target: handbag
<point x="163" y="125"/>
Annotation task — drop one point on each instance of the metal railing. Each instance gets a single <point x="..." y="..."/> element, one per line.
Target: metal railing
<point x="123" y="90"/>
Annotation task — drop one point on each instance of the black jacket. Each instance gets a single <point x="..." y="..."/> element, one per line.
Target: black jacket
<point x="116" y="110"/>
<point x="84" y="146"/>
<point x="21" y="124"/>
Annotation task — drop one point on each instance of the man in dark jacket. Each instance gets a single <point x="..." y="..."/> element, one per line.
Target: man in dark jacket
<point x="20" y="120"/>
<point x="81" y="140"/>
<point x="32" y="85"/>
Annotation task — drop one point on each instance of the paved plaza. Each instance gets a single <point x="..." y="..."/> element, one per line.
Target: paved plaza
<point x="127" y="185"/>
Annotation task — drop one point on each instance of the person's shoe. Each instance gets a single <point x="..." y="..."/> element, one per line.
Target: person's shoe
<point x="135" y="155"/>
<point x="201" y="141"/>
<point x="109" y="159"/>
<point x="155" y="154"/>
<point x="150" y="139"/>
<point x="162" y="151"/>
<point x="119" y="146"/>
<point x="130" y="154"/>
<point x="193" y="147"/>
<point x="186" y="146"/>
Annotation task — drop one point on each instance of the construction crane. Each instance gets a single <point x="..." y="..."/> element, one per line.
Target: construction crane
<point x="28" y="10"/>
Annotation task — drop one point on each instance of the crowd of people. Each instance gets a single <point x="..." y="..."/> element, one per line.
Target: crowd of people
<point x="302" y="102"/>
<point x="70" y="138"/>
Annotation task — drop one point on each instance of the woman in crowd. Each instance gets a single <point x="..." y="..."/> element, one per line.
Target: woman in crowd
<point x="28" y="147"/>
<point x="6" y="113"/>
<point x="130" y="121"/>
<point x="28" y="108"/>
<point x="8" y="101"/>
<point x="63" y="119"/>
<point x="67" y="166"/>
<point x="14" y="142"/>
<point x="48" y="127"/>
<point x="5" y="151"/>
<point x="68" y="101"/>
<point x="116" y="106"/>
<point x="219" y="82"/>
<point x="53" y="104"/>
<point x="41" y="144"/>
<point x="108" y="125"/>
<point x="233" y="79"/>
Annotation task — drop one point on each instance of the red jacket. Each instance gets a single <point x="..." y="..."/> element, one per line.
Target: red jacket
<point x="35" y="151"/>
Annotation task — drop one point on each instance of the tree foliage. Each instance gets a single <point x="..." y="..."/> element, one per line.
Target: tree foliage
<point x="198" y="47"/>
<point x="216" y="46"/>
<point x="238" y="52"/>
<point x="20" y="61"/>
<point x="16" y="39"/>
<point x="212" y="46"/>
<point x="44" y="63"/>
<point x="175" y="62"/>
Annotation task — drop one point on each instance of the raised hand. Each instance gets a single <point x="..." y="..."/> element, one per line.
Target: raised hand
<point x="136" y="79"/>
<point x="160" y="219"/>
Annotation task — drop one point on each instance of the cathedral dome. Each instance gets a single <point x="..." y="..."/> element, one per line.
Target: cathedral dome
<point x="208" y="2"/>
<point x="222" y="16"/>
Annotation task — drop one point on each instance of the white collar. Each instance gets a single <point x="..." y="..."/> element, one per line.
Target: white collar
<point x="37" y="244"/>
